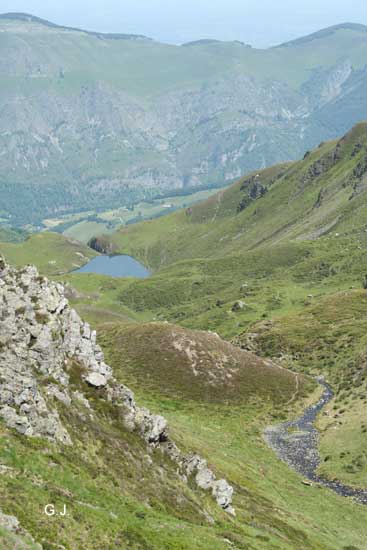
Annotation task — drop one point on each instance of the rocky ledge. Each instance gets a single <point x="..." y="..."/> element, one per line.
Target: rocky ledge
<point x="42" y="339"/>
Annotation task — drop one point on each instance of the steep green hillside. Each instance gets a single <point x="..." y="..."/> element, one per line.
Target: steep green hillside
<point x="271" y="241"/>
<point x="320" y="196"/>
<point x="229" y="433"/>
<point x="92" y="120"/>
<point x="277" y="263"/>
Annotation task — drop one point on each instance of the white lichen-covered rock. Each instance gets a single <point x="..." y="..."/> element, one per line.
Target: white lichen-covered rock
<point x="195" y="466"/>
<point x="96" y="379"/>
<point x="41" y="340"/>
<point x="205" y="478"/>
<point x="39" y="334"/>
<point x="223" y="493"/>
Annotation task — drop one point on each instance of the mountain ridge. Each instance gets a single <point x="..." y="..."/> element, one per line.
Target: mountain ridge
<point x="29" y="18"/>
<point x="322" y="33"/>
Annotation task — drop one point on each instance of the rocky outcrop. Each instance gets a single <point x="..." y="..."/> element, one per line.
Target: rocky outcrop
<point x="205" y="479"/>
<point x="323" y="164"/>
<point x="254" y="190"/>
<point x="40" y="336"/>
<point x="43" y="343"/>
<point x="238" y="306"/>
<point x="15" y="534"/>
<point x="361" y="169"/>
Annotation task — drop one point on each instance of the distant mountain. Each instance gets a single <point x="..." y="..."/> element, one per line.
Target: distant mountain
<point x="89" y="120"/>
<point x="28" y="18"/>
<point x="325" y="33"/>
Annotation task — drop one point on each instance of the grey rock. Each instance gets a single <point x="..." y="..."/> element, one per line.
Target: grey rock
<point x="96" y="379"/>
<point x="152" y="427"/>
<point x="62" y="395"/>
<point x="10" y="523"/>
<point x="22" y="540"/>
<point x="194" y="465"/>
<point x="205" y="478"/>
<point x="223" y="493"/>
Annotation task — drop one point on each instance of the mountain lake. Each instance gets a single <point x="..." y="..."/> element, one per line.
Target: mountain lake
<point x="115" y="266"/>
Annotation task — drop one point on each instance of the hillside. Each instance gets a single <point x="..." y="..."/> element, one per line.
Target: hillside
<point x="269" y="243"/>
<point x="197" y="365"/>
<point x="319" y="196"/>
<point x="53" y="253"/>
<point x="65" y="405"/>
<point x="128" y="479"/>
<point x="91" y="120"/>
<point x="277" y="264"/>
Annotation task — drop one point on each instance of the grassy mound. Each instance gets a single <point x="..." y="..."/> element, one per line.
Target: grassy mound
<point x="196" y="365"/>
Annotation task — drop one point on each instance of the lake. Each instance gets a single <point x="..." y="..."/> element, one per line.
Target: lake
<point x="115" y="266"/>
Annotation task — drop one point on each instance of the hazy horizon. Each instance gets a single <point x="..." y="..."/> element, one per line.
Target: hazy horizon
<point x="177" y="23"/>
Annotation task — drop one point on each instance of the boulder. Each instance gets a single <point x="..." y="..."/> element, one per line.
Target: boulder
<point x="96" y="379"/>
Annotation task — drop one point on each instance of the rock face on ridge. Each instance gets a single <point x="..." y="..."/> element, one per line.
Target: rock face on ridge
<point x="43" y="343"/>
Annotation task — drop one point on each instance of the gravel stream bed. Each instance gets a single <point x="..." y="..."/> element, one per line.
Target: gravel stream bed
<point x="296" y="443"/>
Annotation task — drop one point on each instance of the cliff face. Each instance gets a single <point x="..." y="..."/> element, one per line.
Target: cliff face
<point x="50" y="363"/>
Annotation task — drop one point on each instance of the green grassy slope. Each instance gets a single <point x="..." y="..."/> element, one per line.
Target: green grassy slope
<point x="295" y="256"/>
<point x="322" y="194"/>
<point x="269" y="496"/>
<point x="117" y="496"/>
<point x="52" y="253"/>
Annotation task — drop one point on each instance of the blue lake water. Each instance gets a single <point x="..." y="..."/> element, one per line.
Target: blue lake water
<point x="115" y="266"/>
